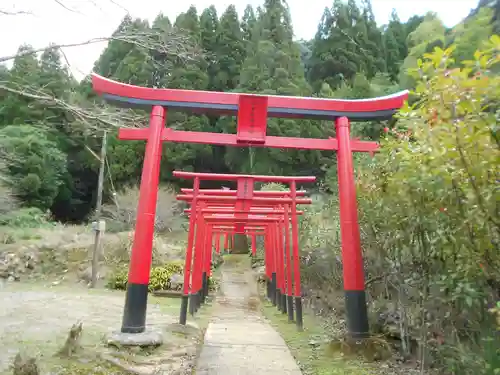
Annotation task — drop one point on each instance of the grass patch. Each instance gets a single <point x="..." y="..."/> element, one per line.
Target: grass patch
<point x="311" y="347"/>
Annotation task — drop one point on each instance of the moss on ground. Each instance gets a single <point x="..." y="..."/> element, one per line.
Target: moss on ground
<point x="312" y="350"/>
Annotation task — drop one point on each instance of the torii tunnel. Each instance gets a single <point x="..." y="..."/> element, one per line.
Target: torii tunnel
<point x="240" y="208"/>
<point x="252" y="112"/>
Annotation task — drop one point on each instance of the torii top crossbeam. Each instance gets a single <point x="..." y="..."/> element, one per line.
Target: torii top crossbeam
<point x="227" y="103"/>
<point x="252" y="112"/>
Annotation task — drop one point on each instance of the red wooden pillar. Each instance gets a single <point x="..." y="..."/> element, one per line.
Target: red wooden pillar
<point x="288" y="261"/>
<point x="272" y="261"/>
<point x="254" y="245"/>
<point x="280" y="256"/>
<point x="188" y="262"/>
<point x="217" y="242"/>
<point x="134" y="315"/>
<point x="267" y="263"/>
<point x="352" y="259"/>
<point x="296" y="257"/>
<point x="199" y="249"/>
<point x="207" y="261"/>
<point x="226" y="241"/>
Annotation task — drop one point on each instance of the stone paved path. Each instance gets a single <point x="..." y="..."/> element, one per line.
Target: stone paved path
<point x="239" y="341"/>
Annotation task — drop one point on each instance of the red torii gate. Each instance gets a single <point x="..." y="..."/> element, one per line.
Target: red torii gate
<point x="252" y="225"/>
<point x="243" y="201"/>
<point x="252" y="112"/>
<point x="265" y="223"/>
<point x="224" y="191"/>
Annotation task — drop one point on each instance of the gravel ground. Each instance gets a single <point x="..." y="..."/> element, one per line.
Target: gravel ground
<point x="37" y="321"/>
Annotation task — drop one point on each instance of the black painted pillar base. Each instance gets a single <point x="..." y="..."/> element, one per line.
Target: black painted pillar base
<point x="268" y="289"/>
<point x="198" y="300"/>
<point x="278" y="299"/>
<point x="207" y="286"/>
<point x="192" y="303"/>
<point x="134" y="312"/>
<point x="284" y="309"/>
<point x="184" y="310"/>
<point x="298" y="313"/>
<point x="273" y="288"/>
<point x="357" y="314"/>
<point x="290" y="308"/>
<point x="204" y="287"/>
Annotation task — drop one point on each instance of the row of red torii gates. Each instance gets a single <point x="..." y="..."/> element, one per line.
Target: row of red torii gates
<point x="270" y="214"/>
<point x="244" y="211"/>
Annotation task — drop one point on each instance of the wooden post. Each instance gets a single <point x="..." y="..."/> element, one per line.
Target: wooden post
<point x="97" y="240"/>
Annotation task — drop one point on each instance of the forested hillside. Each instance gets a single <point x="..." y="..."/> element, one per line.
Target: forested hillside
<point x="50" y="122"/>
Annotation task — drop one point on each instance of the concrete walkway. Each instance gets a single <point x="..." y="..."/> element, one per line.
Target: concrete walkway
<point x="238" y="340"/>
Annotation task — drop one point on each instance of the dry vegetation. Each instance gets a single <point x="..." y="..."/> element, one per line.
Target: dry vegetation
<point x="121" y="213"/>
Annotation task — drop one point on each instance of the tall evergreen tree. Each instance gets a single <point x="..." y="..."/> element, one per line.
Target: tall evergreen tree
<point x="335" y="55"/>
<point x="160" y="62"/>
<point x="274" y="67"/>
<point x="371" y="41"/>
<point x="248" y="25"/>
<point x="230" y="50"/>
<point x="394" y="41"/>
<point x="110" y="59"/>
<point x="209" y="25"/>
<point x="189" y="75"/>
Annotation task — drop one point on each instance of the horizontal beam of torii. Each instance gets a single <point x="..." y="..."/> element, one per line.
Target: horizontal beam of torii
<point x="228" y="103"/>
<point x="252" y="112"/>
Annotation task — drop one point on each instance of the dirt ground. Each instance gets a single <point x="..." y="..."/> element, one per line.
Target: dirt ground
<point x="35" y="319"/>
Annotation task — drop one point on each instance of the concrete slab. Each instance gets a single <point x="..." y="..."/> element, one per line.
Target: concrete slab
<point x="239" y="341"/>
<point x="150" y="337"/>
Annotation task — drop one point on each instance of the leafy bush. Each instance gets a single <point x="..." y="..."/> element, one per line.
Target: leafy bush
<point x="429" y="211"/>
<point x="118" y="279"/>
<point x="159" y="278"/>
<point x="30" y="217"/>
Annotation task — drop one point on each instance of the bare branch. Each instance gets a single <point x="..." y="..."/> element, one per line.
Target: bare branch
<point x="95" y="118"/>
<point x="60" y="3"/>
<point x="14" y="13"/>
<point x="170" y="42"/>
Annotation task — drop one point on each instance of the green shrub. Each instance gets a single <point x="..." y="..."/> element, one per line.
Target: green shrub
<point x="118" y="280"/>
<point x="159" y="278"/>
<point x="429" y="211"/>
<point x="29" y="217"/>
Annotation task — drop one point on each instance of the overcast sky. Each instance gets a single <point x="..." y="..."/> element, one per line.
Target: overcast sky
<point x="87" y="19"/>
